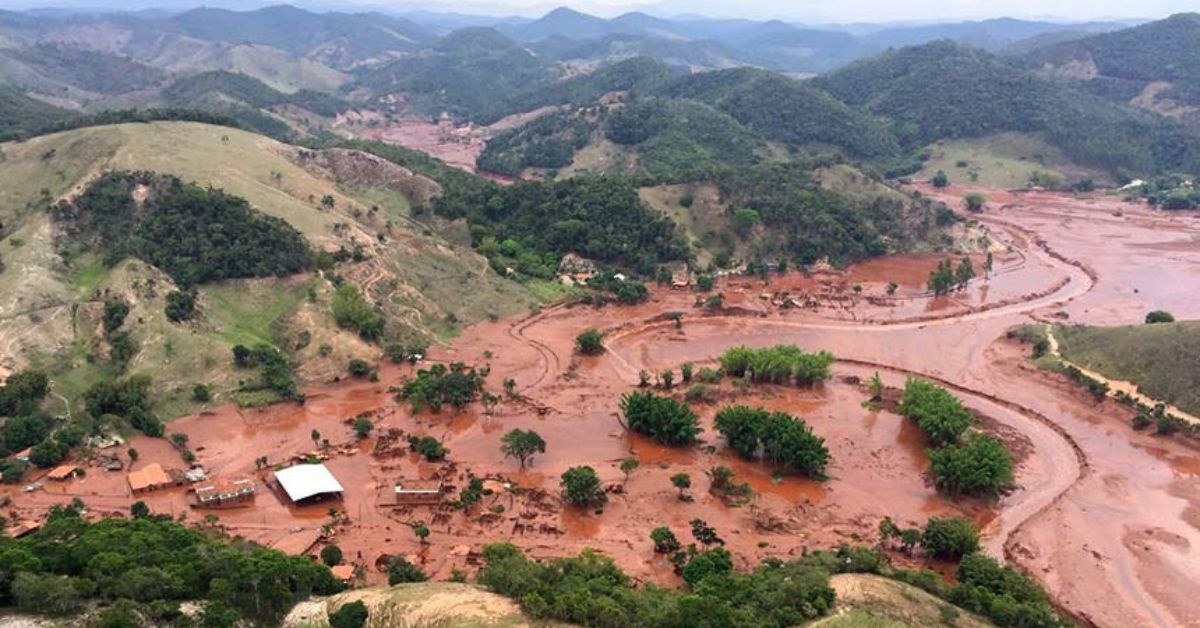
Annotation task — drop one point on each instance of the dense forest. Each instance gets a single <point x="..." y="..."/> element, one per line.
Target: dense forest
<point x="141" y="569"/>
<point x="946" y="90"/>
<point x="198" y="88"/>
<point x="193" y="234"/>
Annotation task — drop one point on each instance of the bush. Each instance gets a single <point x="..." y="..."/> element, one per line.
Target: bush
<point x="1159" y="316"/>
<point x="401" y="571"/>
<point x="351" y="311"/>
<point x="663" y="419"/>
<point x="664" y="540"/>
<point x="201" y="393"/>
<point x="590" y="342"/>
<point x="700" y="393"/>
<point x="581" y="487"/>
<point x="358" y="367"/>
<point x="350" y="615"/>
<point x="181" y="305"/>
<point x="950" y="538"/>
<point x="331" y="555"/>
<point x="457" y="385"/>
<point x="428" y="446"/>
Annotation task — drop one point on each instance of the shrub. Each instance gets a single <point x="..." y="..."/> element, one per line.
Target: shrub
<point x="950" y="538"/>
<point x="181" y="305"/>
<point x="350" y="615"/>
<point x="590" y="342"/>
<point x="664" y="540"/>
<point x="780" y="364"/>
<point x="358" y="367"/>
<point x="713" y="562"/>
<point x="428" y="446"/>
<point x="401" y="571"/>
<point x="1159" y="316"/>
<point x="201" y="393"/>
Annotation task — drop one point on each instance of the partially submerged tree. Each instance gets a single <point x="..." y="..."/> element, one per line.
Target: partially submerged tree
<point x="522" y="445"/>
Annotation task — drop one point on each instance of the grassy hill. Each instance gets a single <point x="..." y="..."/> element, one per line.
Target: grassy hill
<point x="1162" y="359"/>
<point x="425" y="286"/>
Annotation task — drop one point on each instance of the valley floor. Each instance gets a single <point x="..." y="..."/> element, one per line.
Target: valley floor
<point x="1105" y="517"/>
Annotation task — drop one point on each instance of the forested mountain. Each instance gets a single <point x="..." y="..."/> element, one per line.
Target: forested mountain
<point x="947" y="90"/>
<point x="21" y="114"/>
<point x="1155" y="65"/>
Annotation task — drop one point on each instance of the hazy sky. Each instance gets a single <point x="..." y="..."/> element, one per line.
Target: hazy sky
<point x="836" y="10"/>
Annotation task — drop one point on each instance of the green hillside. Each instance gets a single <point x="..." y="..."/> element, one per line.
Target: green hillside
<point x="52" y="294"/>
<point x="21" y="115"/>
<point x="1162" y="359"/>
<point x="944" y="90"/>
<point x="1121" y="65"/>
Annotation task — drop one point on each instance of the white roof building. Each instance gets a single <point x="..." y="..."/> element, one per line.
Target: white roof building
<point x="307" y="480"/>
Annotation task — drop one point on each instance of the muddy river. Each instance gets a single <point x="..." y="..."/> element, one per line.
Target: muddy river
<point x="1106" y="518"/>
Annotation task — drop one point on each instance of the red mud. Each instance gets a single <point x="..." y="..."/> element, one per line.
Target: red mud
<point x="1105" y="517"/>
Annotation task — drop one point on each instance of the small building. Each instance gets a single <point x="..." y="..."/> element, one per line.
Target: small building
<point x="345" y="573"/>
<point x="223" y="493"/>
<point x="417" y="492"/>
<point x="23" y="455"/>
<point x="64" y="472"/>
<point x="308" y="482"/>
<point x="150" y="478"/>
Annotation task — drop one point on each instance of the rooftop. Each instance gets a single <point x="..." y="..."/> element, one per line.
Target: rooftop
<point x="418" y="486"/>
<point x="307" y="480"/>
<point x="150" y="476"/>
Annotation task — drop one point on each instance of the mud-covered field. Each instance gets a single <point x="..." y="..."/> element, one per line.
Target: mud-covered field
<point x="1107" y="518"/>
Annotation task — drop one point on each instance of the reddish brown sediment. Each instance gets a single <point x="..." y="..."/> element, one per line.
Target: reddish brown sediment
<point x="1105" y="517"/>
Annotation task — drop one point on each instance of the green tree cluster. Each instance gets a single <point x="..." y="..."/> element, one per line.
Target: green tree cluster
<point x="779" y="364"/>
<point x="351" y="311"/>
<point x="778" y="437"/>
<point x="438" y="385"/>
<point x="663" y="419"/>
<point x="937" y="412"/>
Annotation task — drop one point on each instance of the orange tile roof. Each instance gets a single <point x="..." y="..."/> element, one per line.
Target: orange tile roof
<point x="343" y="572"/>
<point x="63" y="472"/>
<point x="151" y="476"/>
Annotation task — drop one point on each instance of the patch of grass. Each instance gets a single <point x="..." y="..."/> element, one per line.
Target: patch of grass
<point x="89" y="272"/>
<point x="244" y="315"/>
<point x="1161" y="359"/>
<point x="1006" y="160"/>
<point x="256" y="398"/>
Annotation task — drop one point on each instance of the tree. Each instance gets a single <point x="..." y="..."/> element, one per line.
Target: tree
<point x="975" y="201"/>
<point x="590" y="342"/>
<point x="327" y="201"/>
<point x="745" y="220"/>
<point x="777" y="436"/>
<point x="428" y="446"/>
<point x="937" y="412"/>
<point x="713" y="562"/>
<point x="683" y="482"/>
<point x="942" y="279"/>
<point x="489" y="401"/>
<point x="875" y="387"/>
<point x="704" y="283"/>
<point x="139" y="510"/>
<point x="581" y="487"/>
<point x="331" y="555"/>
<point x="401" y="571"/>
<point x="705" y="533"/>
<point x="1159" y="316"/>
<point x="315" y="436"/>
<point x="421" y="531"/>
<point x="965" y="273"/>
<point x="628" y="465"/>
<point x="950" y="538"/>
<point x="664" y="540"/>
<point x="510" y="387"/>
<point x="940" y="180"/>
<point x="686" y="372"/>
<point x="48" y="453"/>
<point x="522" y="445"/>
<point x="363" y="427"/>
<point x="668" y="379"/>
<point x="349" y="615"/>
<point x="133" y="454"/>
<point x="987" y="263"/>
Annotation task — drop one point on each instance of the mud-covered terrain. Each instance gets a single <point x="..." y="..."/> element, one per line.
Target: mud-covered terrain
<point x="1105" y="517"/>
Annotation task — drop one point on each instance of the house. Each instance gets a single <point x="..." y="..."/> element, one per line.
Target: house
<point x="64" y="472"/>
<point x="24" y="528"/>
<point x="307" y="483"/>
<point x="23" y="455"/>
<point x="417" y="492"/>
<point x="223" y="492"/>
<point x="150" y="478"/>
